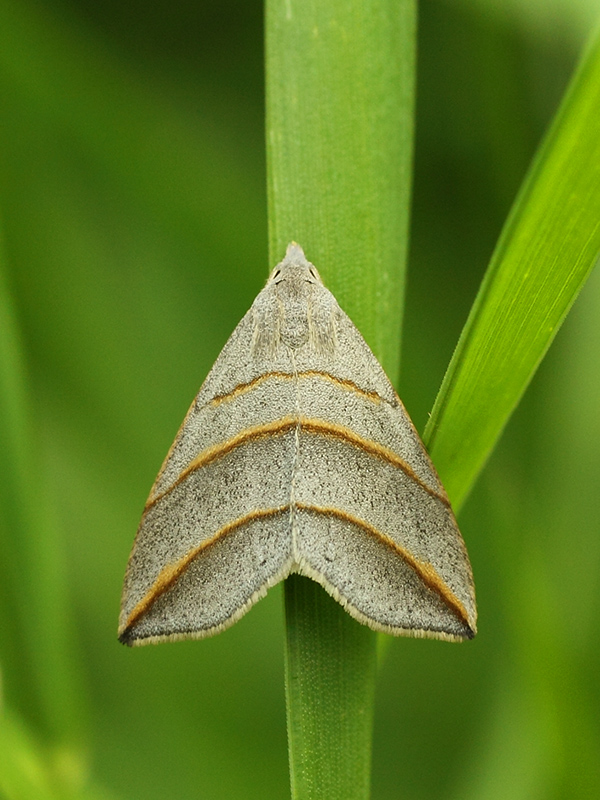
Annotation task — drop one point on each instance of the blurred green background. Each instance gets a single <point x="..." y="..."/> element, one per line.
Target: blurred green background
<point x="134" y="236"/>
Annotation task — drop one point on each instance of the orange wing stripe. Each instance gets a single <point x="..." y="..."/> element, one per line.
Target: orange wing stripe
<point x="241" y="388"/>
<point x="314" y="426"/>
<point x="172" y="572"/>
<point x="317" y="426"/>
<point x="279" y="426"/>
<point x="424" y="569"/>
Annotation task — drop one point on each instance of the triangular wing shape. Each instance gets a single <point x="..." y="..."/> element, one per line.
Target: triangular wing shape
<point x="215" y="533"/>
<point x="297" y="455"/>
<point x="375" y="526"/>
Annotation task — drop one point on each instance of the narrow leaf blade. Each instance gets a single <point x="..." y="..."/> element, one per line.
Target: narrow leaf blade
<point x="548" y="247"/>
<point x="340" y="85"/>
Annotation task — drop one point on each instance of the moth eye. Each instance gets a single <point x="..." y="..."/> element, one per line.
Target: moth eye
<point x="313" y="273"/>
<point x="276" y="274"/>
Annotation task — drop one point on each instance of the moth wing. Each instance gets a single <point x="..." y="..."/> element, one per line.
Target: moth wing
<point x="375" y="526"/>
<point x="208" y="588"/>
<point x="370" y="519"/>
<point x="215" y="532"/>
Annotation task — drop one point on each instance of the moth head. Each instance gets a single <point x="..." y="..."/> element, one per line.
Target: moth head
<point x="295" y="267"/>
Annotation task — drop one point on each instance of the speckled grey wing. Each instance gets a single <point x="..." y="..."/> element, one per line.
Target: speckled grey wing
<point x="297" y="458"/>
<point x="373" y="524"/>
<point x="215" y="532"/>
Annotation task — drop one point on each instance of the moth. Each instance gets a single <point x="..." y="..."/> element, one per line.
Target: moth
<point x="297" y="456"/>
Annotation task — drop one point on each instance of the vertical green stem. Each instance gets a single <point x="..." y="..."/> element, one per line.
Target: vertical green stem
<point x="340" y="85"/>
<point x="330" y="674"/>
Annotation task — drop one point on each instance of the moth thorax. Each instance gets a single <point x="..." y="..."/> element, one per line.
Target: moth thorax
<point x="294" y="327"/>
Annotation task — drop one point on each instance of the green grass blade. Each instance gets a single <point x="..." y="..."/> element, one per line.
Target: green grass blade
<point x="340" y="82"/>
<point x="36" y="657"/>
<point x="547" y="249"/>
<point x="331" y="679"/>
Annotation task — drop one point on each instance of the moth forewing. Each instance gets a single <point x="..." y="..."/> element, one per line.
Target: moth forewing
<point x="297" y="456"/>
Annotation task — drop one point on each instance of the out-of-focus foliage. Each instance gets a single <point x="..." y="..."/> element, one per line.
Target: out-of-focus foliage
<point x="132" y="200"/>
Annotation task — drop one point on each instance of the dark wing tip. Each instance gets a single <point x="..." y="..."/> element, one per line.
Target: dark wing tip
<point x="470" y="632"/>
<point x="126" y="637"/>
